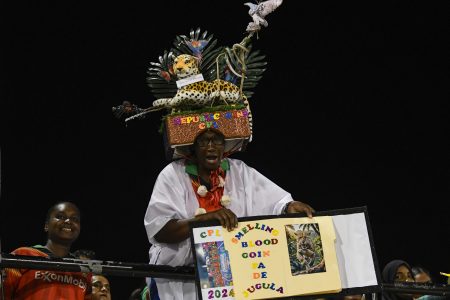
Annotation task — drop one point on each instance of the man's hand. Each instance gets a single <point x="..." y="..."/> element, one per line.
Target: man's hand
<point x="298" y="207"/>
<point x="176" y="231"/>
<point x="226" y="217"/>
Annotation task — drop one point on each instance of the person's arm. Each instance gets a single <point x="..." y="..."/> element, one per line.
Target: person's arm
<point x="13" y="276"/>
<point x="176" y="231"/>
<point x="299" y="207"/>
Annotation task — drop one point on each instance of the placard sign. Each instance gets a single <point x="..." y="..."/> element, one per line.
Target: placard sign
<point x="274" y="257"/>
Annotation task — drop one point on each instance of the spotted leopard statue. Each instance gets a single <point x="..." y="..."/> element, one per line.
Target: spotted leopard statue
<point x="202" y="92"/>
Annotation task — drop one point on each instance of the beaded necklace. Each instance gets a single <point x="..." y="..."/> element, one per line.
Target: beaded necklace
<point x="209" y="198"/>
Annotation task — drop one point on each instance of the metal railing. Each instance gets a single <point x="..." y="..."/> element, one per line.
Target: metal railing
<point x="96" y="267"/>
<point x="416" y="288"/>
<point x="184" y="273"/>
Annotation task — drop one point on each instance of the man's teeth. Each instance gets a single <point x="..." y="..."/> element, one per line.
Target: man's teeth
<point x="67" y="229"/>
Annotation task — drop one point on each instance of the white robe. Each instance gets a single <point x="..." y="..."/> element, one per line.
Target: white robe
<point x="252" y="194"/>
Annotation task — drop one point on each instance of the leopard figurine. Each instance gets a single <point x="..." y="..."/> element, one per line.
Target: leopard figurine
<point x="202" y="92"/>
<point x="198" y="93"/>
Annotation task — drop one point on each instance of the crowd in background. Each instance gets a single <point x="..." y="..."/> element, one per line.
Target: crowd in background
<point x="62" y="226"/>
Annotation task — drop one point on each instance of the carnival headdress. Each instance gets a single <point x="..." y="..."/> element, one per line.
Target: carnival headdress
<point x="203" y="85"/>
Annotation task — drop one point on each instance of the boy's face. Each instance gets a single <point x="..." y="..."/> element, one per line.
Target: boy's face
<point x="63" y="224"/>
<point x="100" y="288"/>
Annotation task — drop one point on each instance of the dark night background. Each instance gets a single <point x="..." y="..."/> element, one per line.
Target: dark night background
<point x="352" y="111"/>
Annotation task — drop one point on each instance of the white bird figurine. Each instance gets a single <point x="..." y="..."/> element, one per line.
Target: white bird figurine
<point x="259" y="11"/>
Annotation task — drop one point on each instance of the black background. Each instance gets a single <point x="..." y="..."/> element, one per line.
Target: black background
<point x="352" y="111"/>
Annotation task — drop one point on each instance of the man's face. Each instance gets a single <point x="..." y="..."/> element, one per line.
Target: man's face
<point x="209" y="147"/>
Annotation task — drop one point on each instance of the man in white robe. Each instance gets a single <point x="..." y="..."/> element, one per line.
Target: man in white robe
<point x="174" y="202"/>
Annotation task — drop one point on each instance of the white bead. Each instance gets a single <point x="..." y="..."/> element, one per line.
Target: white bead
<point x="225" y="201"/>
<point x="202" y="191"/>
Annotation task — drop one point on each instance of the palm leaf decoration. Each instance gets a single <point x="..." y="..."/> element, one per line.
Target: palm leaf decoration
<point x="161" y="79"/>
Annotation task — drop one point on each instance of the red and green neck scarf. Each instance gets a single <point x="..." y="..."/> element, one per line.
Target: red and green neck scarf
<point x="211" y="201"/>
